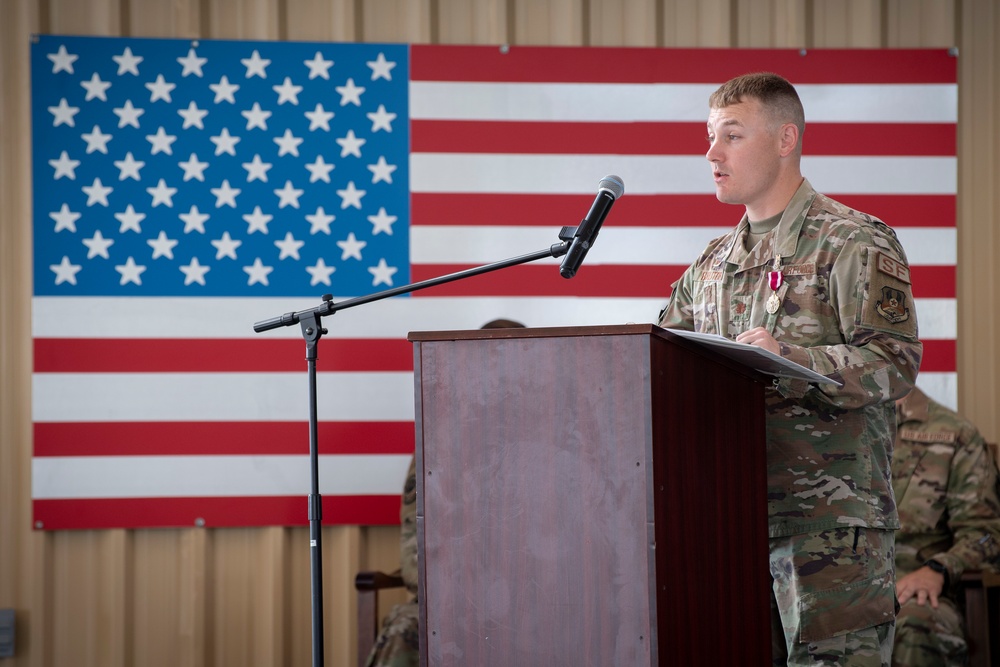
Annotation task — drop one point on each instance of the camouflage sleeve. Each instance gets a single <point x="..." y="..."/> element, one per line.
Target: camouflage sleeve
<point x="408" y="529"/>
<point x="973" y="507"/>
<point x="873" y="306"/>
<point x="678" y="313"/>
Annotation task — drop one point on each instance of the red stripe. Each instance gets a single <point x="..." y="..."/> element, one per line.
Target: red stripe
<point x="100" y="513"/>
<point x="219" y="438"/>
<point x="648" y="65"/>
<point x="553" y="210"/>
<point x="605" y="280"/>
<point x="940" y="356"/>
<point x="451" y="136"/>
<point x="83" y="355"/>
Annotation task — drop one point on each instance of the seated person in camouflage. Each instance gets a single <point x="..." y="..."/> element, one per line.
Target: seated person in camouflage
<point x="945" y="481"/>
<point x="398" y="643"/>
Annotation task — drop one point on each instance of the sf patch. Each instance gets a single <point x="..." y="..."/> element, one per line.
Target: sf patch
<point x="893" y="305"/>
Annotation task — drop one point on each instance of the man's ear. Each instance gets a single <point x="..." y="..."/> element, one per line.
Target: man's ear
<point x="789" y="135"/>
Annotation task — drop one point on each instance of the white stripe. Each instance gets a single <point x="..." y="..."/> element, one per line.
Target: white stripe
<point x="942" y="387"/>
<point x="214" y="476"/>
<point x="664" y="174"/>
<point x="210" y="318"/>
<point x="221" y="397"/>
<point x="670" y="102"/>
<point x="620" y="244"/>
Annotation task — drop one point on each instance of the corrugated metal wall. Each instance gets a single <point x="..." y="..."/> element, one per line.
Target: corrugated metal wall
<point x="241" y="596"/>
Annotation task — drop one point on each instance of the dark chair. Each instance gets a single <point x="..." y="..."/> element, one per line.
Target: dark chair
<point x="368" y="584"/>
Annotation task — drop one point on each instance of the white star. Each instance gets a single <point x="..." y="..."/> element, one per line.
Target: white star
<point x="64" y="167"/>
<point x="65" y="272"/>
<point x="258" y="272"/>
<point x="351" y="145"/>
<point x="160" y="89"/>
<point x="225" y="194"/>
<point x="225" y="143"/>
<point x="194" y="272"/>
<point x="192" y="63"/>
<point x="127" y="62"/>
<point x="65" y="218"/>
<point x="162" y="246"/>
<point x="193" y="116"/>
<point x="257" y="169"/>
<point x="320" y="272"/>
<point x="161" y="142"/>
<point x="162" y="194"/>
<point x="382" y="274"/>
<point x="255" y="65"/>
<point x="381" y="119"/>
<point x="382" y="170"/>
<point x="350" y="196"/>
<point x="288" y="195"/>
<point x="97" y="193"/>
<point x="382" y="222"/>
<point x="96" y="140"/>
<point x="350" y="94"/>
<point x="351" y="247"/>
<point x="226" y="246"/>
<point x="95" y="88"/>
<point x="128" y="114"/>
<point x="129" y="219"/>
<point x="319" y="67"/>
<point x="62" y="62"/>
<point x="224" y="90"/>
<point x="194" y="219"/>
<point x="319" y="118"/>
<point x="256" y="117"/>
<point x="129" y="167"/>
<point x="381" y="68"/>
<point x="63" y="114"/>
<point x="257" y="221"/>
<point x="130" y="272"/>
<point x="193" y="168"/>
<point x="97" y="245"/>
<point x="289" y="247"/>
<point x="287" y="143"/>
<point x="320" y="221"/>
<point x="287" y="92"/>
<point x="319" y="170"/>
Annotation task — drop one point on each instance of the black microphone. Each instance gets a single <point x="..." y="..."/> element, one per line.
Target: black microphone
<point x="610" y="188"/>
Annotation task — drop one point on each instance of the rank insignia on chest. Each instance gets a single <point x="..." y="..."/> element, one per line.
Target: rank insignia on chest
<point x="893" y="305"/>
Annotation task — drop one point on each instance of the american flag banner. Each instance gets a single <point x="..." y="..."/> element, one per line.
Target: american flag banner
<point x="184" y="190"/>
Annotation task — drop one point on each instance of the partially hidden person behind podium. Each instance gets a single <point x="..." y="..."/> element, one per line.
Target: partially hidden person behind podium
<point x="945" y="480"/>
<point x="827" y="287"/>
<point x="398" y="642"/>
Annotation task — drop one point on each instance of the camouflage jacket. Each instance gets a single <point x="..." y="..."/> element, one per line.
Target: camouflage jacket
<point x="945" y="481"/>
<point x="845" y="310"/>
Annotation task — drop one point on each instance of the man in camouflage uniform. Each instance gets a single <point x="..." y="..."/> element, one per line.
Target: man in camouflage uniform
<point x="398" y="643"/>
<point x="945" y="481"/>
<point x="827" y="287"/>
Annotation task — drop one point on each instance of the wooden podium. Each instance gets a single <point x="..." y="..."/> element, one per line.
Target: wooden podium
<point x="589" y="496"/>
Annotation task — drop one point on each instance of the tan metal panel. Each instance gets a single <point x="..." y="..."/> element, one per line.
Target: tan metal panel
<point x="554" y="23"/>
<point x="920" y="23"/>
<point x="771" y="24"/>
<point x="473" y="22"/>
<point x="697" y="23"/>
<point x="94" y="17"/>
<point x="396" y="21"/>
<point x="243" y="19"/>
<point x="847" y="24"/>
<point x="616" y="23"/>
<point x="153" y="18"/>
<point x="323" y="20"/>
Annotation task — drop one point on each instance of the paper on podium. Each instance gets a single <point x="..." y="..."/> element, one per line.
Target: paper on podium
<point x="755" y="357"/>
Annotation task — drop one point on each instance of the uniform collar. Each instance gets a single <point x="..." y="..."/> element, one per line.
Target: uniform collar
<point x="781" y="241"/>
<point x="915" y="406"/>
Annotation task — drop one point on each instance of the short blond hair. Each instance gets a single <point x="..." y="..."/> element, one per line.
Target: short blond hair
<point x="774" y="92"/>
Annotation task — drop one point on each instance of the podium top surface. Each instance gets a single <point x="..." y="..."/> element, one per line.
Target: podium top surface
<point x="537" y="332"/>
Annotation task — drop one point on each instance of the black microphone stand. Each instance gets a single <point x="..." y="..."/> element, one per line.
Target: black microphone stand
<point x="310" y="323"/>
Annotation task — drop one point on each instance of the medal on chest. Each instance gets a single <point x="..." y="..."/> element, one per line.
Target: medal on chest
<point x="775" y="278"/>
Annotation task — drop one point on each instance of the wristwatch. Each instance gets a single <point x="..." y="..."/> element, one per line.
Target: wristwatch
<point x="939" y="568"/>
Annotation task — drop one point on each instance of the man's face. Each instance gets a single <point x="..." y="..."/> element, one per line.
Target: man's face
<point x="744" y="151"/>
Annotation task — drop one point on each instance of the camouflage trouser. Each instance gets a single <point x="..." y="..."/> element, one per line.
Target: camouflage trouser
<point x="398" y="643"/>
<point x="928" y="637"/>
<point x="834" y="598"/>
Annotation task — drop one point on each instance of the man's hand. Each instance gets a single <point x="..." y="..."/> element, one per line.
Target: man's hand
<point x="760" y="337"/>
<point x="924" y="583"/>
